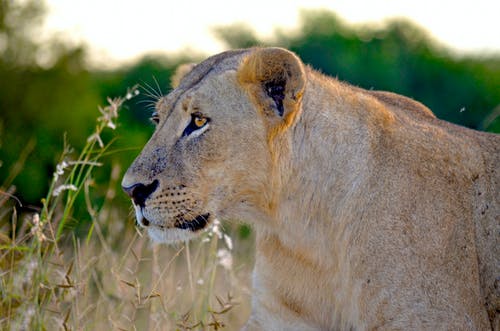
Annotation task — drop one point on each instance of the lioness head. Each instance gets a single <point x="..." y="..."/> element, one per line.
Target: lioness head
<point x="212" y="153"/>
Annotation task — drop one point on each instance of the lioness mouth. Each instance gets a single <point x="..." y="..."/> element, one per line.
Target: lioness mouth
<point x="196" y="224"/>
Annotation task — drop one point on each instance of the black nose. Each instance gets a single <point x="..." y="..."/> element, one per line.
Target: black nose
<point x="140" y="192"/>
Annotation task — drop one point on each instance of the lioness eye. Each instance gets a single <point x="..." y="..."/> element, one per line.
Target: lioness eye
<point x="198" y="122"/>
<point x="155" y="118"/>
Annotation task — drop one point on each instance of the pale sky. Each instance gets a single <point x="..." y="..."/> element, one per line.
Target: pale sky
<point x="120" y="30"/>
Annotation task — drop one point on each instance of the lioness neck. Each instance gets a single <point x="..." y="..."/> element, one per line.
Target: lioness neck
<point x="316" y="166"/>
<point x="307" y="228"/>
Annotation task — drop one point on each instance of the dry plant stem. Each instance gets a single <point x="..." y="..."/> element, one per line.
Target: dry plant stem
<point x="77" y="252"/>
<point x="19" y="164"/>
<point x="167" y="265"/>
<point x="14" y="222"/>
<point x="155" y="276"/>
<point x="82" y="175"/>
<point x="6" y="195"/>
<point x="213" y="258"/>
<point x="190" y="269"/>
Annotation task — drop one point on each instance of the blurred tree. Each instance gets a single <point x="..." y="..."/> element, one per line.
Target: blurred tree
<point x="237" y="36"/>
<point x="18" y="21"/>
<point x="402" y="58"/>
<point x="399" y="57"/>
<point x="45" y="91"/>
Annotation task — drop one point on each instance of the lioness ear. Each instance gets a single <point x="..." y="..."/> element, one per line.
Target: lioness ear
<point x="275" y="80"/>
<point x="180" y="72"/>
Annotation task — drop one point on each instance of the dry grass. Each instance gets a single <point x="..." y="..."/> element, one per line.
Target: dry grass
<point x="113" y="278"/>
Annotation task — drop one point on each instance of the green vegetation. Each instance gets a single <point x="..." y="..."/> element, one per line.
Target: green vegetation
<point x="70" y="257"/>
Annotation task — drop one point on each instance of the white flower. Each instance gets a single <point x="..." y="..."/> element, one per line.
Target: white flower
<point x="228" y="241"/>
<point x="62" y="188"/>
<point x="225" y="258"/>
<point x="130" y="95"/>
<point x="216" y="228"/>
<point x="37" y="229"/>
<point x="97" y="138"/>
<point x="60" y="169"/>
<point x="110" y="112"/>
<point x="111" y="125"/>
<point x="200" y="281"/>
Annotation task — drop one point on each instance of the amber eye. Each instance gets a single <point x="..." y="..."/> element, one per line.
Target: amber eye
<point x="155" y="118"/>
<point x="199" y="121"/>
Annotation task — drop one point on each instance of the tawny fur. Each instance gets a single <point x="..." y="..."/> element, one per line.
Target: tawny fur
<point x="370" y="213"/>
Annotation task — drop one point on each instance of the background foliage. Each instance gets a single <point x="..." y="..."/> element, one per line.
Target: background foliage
<point x="47" y="91"/>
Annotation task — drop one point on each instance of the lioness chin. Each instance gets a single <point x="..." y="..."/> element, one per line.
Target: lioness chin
<point x="369" y="212"/>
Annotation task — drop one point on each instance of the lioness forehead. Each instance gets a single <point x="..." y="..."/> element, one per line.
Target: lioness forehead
<point x="214" y="65"/>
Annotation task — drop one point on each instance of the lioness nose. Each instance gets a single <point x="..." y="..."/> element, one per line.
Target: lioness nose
<point x="140" y="192"/>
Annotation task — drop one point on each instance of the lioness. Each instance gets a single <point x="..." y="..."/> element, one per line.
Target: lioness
<point x="369" y="212"/>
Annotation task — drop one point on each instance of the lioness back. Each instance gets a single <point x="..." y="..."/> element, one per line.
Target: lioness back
<point x="467" y="157"/>
<point x="369" y="212"/>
